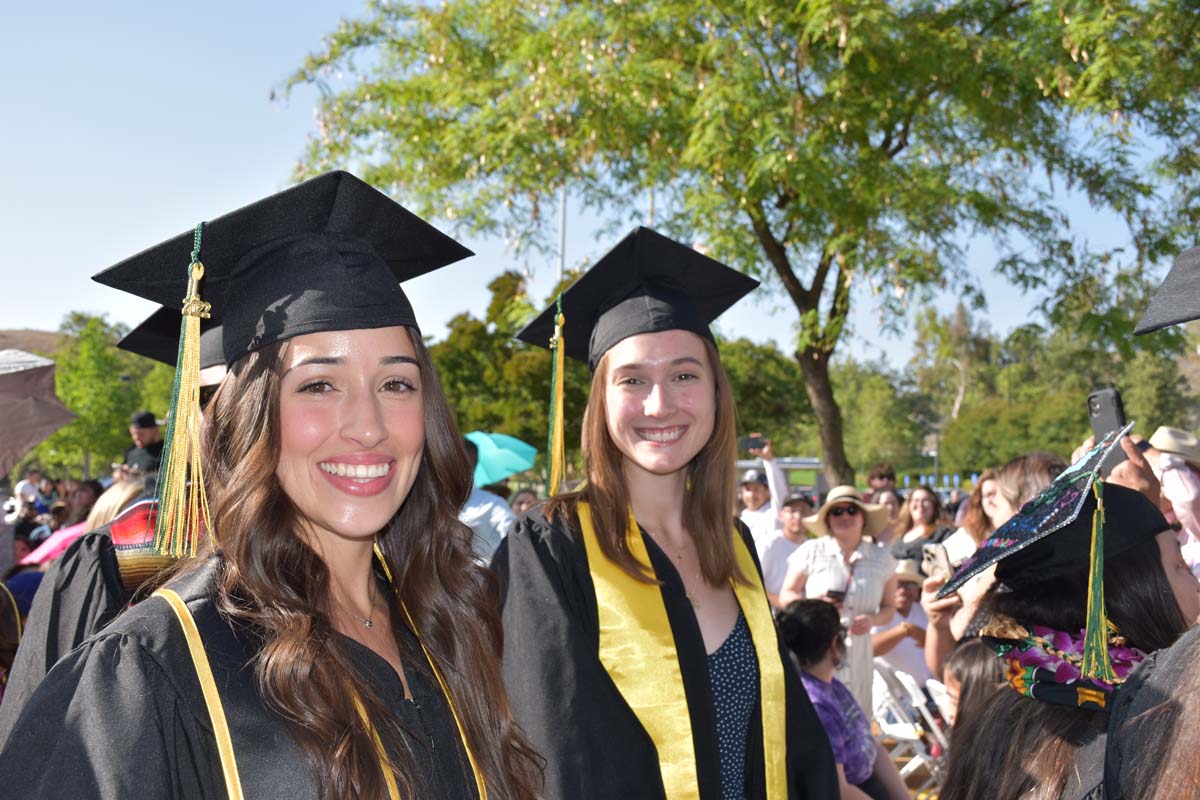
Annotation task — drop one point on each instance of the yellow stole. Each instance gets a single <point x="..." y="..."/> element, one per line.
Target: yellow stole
<point x="638" y="651"/>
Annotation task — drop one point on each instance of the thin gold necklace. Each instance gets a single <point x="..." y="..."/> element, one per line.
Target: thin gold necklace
<point x="367" y="621"/>
<point x="678" y="558"/>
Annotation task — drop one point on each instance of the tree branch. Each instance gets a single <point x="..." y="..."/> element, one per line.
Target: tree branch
<point x="818" y="284"/>
<point x="777" y="255"/>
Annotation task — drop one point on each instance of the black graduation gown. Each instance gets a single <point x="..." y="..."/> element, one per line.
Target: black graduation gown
<point x="574" y="715"/>
<point x="1152" y="703"/>
<point x="81" y="593"/>
<point x="123" y="715"/>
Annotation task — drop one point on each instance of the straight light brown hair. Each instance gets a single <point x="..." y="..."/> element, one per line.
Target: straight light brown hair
<point x="709" y="508"/>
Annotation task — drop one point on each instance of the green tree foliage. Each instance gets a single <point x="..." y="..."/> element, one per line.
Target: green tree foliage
<point x="770" y="398"/>
<point x="497" y="384"/>
<point x="90" y="379"/>
<point x="103" y="386"/>
<point x="1028" y="391"/>
<point x="823" y="145"/>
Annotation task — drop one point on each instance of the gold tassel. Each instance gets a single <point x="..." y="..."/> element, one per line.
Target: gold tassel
<point x="183" y="504"/>
<point x="556" y="446"/>
<point x="1096" y="663"/>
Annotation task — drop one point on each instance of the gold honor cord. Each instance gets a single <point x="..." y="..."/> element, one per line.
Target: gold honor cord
<point x="638" y="652"/>
<point x="389" y="772"/>
<point x="12" y="603"/>
<point x="556" y="446"/>
<point x="212" y="698"/>
<point x="183" y="504"/>
<point x="480" y="785"/>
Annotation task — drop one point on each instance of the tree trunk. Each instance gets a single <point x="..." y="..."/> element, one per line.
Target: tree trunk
<point x="814" y="364"/>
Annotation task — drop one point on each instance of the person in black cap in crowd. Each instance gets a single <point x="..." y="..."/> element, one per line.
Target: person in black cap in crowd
<point x="640" y="652"/>
<point x="1089" y="581"/>
<point x="147" y="447"/>
<point x="773" y="552"/>
<point x="334" y="638"/>
<point x="115" y="564"/>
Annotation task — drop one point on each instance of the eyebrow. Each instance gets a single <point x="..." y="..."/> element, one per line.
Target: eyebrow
<point x="674" y="363"/>
<point x="386" y="361"/>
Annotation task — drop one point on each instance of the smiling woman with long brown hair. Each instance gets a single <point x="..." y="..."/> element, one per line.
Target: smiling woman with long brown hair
<point x="640" y="652"/>
<point x="334" y="638"/>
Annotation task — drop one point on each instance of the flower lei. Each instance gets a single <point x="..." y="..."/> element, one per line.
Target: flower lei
<point x="1045" y="664"/>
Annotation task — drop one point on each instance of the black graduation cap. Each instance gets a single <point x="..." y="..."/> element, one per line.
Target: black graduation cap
<point x="157" y="337"/>
<point x="1178" y="299"/>
<point x="326" y="254"/>
<point x="1077" y="522"/>
<point x="647" y="283"/>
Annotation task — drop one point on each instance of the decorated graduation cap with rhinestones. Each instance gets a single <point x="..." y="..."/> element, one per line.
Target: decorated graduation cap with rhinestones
<point x="648" y="283"/>
<point x="1076" y="522"/>
<point x="325" y="255"/>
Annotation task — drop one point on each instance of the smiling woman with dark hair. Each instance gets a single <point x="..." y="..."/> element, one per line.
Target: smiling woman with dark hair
<point x="334" y="638"/>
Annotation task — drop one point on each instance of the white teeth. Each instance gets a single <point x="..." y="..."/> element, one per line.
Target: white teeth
<point x="360" y="472"/>
<point x="668" y="435"/>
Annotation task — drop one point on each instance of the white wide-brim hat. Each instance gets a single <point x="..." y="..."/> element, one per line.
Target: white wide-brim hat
<point x="1180" y="442"/>
<point x="875" y="516"/>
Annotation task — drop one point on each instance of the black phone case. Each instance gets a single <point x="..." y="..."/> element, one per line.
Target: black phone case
<point x="1106" y="412"/>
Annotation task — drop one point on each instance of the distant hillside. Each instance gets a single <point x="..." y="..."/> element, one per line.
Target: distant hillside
<point x="40" y="342"/>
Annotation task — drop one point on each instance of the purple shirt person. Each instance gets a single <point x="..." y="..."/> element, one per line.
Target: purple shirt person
<point x="813" y="632"/>
<point x="845" y="724"/>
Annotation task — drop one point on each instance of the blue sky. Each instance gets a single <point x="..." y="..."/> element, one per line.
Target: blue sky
<point x="126" y="123"/>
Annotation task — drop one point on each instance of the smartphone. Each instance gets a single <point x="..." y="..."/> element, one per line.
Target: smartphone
<point x="935" y="562"/>
<point x="748" y="443"/>
<point x="1106" y="412"/>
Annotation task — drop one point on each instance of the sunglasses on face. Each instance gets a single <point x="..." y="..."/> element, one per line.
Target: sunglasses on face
<point x="840" y="510"/>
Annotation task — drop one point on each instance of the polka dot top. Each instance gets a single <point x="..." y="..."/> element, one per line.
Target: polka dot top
<point x="733" y="672"/>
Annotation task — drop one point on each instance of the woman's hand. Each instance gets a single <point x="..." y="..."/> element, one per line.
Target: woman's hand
<point x="940" y="612"/>
<point x="860" y="624"/>
<point x="1132" y="473"/>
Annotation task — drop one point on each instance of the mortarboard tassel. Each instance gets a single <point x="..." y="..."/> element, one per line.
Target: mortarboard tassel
<point x="556" y="465"/>
<point x="183" y="505"/>
<point x="1096" y="663"/>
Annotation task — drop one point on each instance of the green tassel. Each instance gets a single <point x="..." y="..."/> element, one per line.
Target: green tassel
<point x="556" y="462"/>
<point x="1096" y="664"/>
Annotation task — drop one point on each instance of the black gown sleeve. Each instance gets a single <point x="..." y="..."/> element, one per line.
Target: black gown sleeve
<point x="109" y="722"/>
<point x="81" y="593"/>
<point x="574" y="716"/>
<point x="544" y="653"/>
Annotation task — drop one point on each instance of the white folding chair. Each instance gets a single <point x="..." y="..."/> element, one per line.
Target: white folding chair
<point x="897" y="721"/>
<point x="937" y="690"/>
<point x="920" y="703"/>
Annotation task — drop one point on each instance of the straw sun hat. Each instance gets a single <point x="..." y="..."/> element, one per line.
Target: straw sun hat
<point x="875" y="516"/>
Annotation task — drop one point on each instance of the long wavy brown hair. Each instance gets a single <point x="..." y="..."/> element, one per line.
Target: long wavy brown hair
<point x="275" y="583"/>
<point x="976" y="521"/>
<point x="709" y="508"/>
